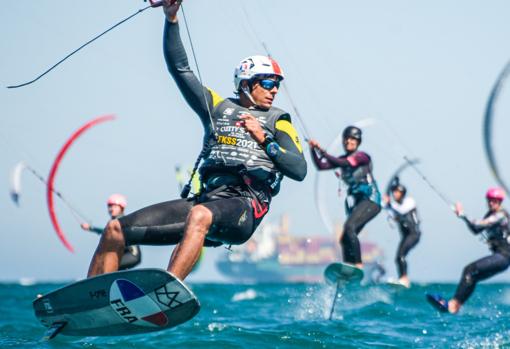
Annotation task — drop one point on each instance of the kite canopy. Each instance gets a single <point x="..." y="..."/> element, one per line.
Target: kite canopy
<point x="487" y="126"/>
<point x="16" y="181"/>
<point x="53" y="172"/>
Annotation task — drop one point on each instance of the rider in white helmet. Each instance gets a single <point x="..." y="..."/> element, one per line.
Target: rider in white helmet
<point x="249" y="146"/>
<point x="256" y="68"/>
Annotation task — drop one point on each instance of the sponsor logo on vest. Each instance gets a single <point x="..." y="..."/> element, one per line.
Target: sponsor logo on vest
<point x="230" y="129"/>
<point x="238" y="142"/>
<point x="228" y="111"/>
<point x="227" y="140"/>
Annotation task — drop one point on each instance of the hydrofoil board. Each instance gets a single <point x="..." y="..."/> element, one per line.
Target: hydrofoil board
<point x="115" y="304"/>
<point x="343" y="273"/>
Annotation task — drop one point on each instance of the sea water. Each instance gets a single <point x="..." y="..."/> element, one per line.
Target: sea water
<point x="292" y="316"/>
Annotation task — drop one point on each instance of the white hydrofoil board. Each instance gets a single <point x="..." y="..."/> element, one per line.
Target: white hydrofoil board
<point x="120" y="303"/>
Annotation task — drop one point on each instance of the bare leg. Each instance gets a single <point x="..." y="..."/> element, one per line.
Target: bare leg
<point x="109" y="251"/>
<point x="454" y="306"/>
<point x="187" y="252"/>
<point x="404" y="280"/>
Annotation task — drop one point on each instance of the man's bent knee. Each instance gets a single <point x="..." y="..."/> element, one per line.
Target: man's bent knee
<point x="113" y="233"/>
<point x="201" y="215"/>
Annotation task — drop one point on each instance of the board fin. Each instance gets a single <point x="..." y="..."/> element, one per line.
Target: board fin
<point x="438" y="302"/>
<point x="53" y="330"/>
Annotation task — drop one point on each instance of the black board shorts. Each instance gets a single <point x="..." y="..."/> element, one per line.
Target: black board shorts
<point x="233" y="223"/>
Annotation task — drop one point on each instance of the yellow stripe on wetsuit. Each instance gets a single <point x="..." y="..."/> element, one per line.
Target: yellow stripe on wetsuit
<point x="216" y="98"/>
<point x="286" y="126"/>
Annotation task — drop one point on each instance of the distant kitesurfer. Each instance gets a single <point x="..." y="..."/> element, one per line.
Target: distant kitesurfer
<point x="495" y="227"/>
<point x="402" y="209"/>
<point x="363" y="201"/>
<point x="249" y="146"/>
<point x="116" y="205"/>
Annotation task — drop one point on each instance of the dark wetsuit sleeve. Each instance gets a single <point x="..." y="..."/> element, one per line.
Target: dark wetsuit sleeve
<point x="325" y="161"/>
<point x="474" y="229"/>
<point x="290" y="160"/>
<point x="96" y="230"/>
<point x="189" y="85"/>
<point x="355" y="160"/>
<point x="476" y="226"/>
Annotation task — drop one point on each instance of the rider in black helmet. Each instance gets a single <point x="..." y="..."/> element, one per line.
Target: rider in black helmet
<point x="363" y="201"/>
<point x="402" y="209"/>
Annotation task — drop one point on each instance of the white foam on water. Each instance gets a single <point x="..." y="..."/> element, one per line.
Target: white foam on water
<point x="216" y="327"/>
<point x="27" y="281"/>
<point x="315" y="303"/>
<point x="245" y="295"/>
<point x="494" y="341"/>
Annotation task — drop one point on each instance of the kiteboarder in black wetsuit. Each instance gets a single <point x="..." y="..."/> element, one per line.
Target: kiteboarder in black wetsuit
<point x="249" y="146"/>
<point x="363" y="201"/>
<point x="403" y="211"/>
<point x="116" y="204"/>
<point x="495" y="227"/>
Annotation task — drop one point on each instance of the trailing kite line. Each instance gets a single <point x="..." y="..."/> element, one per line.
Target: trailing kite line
<point x="487" y="126"/>
<point x="319" y="200"/>
<point x="284" y="86"/>
<point x="285" y="89"/>
<point x="395" y="178"/>
<point x="432" y="186"/>
<point x="16" y="189"/>
<point x="205" y="147"/>
<point x="153" y="4"/>
<point x="53" y="172"/>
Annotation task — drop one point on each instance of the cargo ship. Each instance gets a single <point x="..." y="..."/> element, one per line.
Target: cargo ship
<point x="274" y="255"/>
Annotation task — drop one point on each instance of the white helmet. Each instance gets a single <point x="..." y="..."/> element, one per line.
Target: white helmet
<point x="256" y="66"/>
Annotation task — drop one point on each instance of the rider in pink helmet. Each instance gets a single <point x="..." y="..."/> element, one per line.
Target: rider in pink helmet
<point x="132" y="254"/>
<point x="496" y="228"/>
<point x="117" y="199"/>
<point x="495" y="194"/>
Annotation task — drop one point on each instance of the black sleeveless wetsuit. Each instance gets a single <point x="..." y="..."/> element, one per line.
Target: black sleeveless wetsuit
<point x="239" y="177"/>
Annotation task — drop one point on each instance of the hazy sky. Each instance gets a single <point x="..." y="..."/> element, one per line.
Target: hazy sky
<point x="423" y="70"/>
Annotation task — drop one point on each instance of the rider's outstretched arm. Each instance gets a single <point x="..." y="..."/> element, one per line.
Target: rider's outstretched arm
<point x="189" y="85"/>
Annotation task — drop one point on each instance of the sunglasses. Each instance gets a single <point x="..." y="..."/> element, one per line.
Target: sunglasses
<point x="268" y="84"/>
<point x="494" y="201"/>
